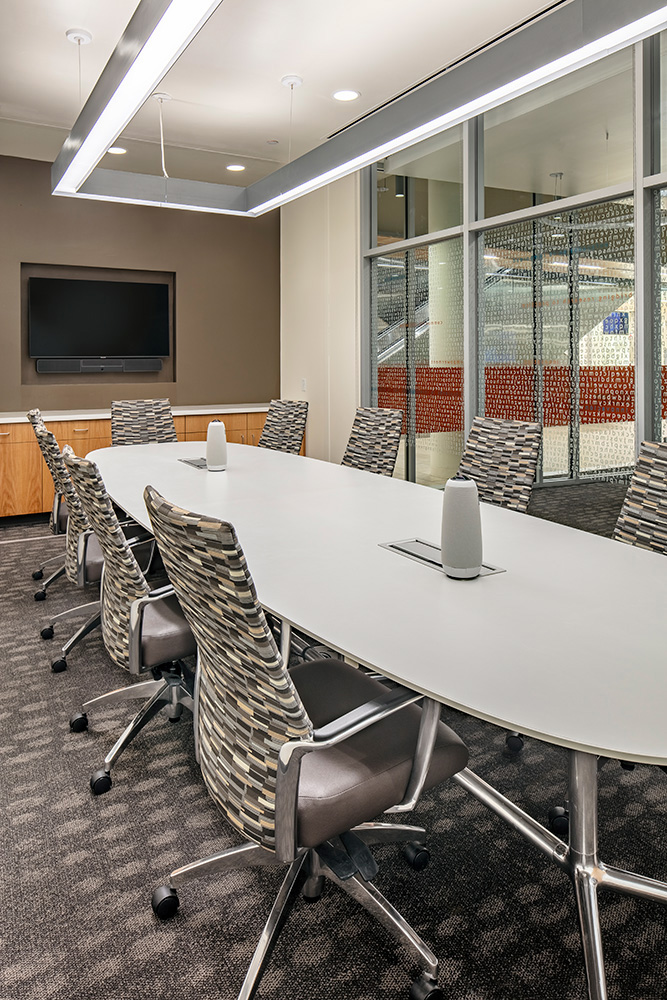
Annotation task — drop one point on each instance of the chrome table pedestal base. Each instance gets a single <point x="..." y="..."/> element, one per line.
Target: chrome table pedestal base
<point x="579" y="859"/>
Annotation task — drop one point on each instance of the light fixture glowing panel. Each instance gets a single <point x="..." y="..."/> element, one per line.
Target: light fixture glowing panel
<point x="587" y="54"/>
<point x="235" y="167"/>
<point x="116" y="150"/>
<point x="177" y="27"/>
<point x="346" y="95"/>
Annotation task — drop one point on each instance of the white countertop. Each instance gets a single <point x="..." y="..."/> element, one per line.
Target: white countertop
<point x="18" y="416"/>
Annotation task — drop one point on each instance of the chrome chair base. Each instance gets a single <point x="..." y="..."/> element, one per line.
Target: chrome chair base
<point x="40" y="595"/>
<point x="172" y="691"/>
<point x="306" y="875"/>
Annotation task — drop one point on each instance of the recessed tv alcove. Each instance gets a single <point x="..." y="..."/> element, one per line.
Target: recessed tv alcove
<point x="97" y="322"/>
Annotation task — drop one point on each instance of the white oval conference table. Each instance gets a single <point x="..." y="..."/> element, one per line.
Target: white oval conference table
<point x="566" y="645"/>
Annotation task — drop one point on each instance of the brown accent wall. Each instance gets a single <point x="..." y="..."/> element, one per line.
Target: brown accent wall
<point x="227" y="291"/>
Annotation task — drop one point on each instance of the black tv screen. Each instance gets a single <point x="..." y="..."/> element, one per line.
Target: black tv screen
<point x="77" y="318"/>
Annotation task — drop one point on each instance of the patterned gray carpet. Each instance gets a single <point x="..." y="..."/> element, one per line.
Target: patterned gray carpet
<point x="78" y="871"/>
<point x="588" y="506"/>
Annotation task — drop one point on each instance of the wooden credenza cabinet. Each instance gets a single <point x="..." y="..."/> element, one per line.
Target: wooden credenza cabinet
<point x="20" y="471"/>
<point x="26" y="486"/>
<point x="241" y="428"/>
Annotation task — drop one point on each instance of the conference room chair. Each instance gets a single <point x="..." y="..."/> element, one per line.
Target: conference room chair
<point x="374" y="440"/>
<point x="83" y="556"/>
<point x="57" y="520"/>
<point x="141" y="421"/>
<point x="300" y="762"/>
<point x="285" y="425"/>
<point x="501" y="456"/>
<point x="142" y="624"/>
<point x="643" y="517"/>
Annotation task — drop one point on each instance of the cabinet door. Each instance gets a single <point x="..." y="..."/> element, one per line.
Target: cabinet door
<point x="196" y="425"/>
<point x="20" y="477"/>
<point x="80" y="434"/>
<point x="256" y="423"/>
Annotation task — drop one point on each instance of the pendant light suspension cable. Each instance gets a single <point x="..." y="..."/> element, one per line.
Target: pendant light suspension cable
<point x="291" y="81"/>
<point x="161" y="98"/>
<point x="79" y="37"/>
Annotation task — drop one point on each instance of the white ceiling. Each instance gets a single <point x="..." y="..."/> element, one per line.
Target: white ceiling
<point x="227" y="99"/>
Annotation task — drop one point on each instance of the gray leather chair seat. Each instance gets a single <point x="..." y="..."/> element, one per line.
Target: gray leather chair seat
<point x="94" y="560"/>
<point x="165" y="634"/>
<point x="369" y="772"/>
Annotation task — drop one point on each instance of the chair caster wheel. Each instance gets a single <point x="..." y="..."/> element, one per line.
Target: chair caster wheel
<point x="40" y="595"/>
<point x="165" y="902"/>
<point x="417" y="855"/>
<point x="514" y="743"/>
<point x="426" y="988"/>
<point x="59" y="665"/>
<point x="79" y="723"/>
<point x="38" y="574"/>
<point x="47" y="632"/>
<point x="627" y="765"/>
<point x="100" y="782"/>
<point x="559" y="821"/>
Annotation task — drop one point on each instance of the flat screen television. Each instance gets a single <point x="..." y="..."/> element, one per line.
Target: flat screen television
<point x="78" y="318"/>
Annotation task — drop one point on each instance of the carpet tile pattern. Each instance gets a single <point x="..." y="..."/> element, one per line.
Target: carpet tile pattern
<point x="78" y="870"/>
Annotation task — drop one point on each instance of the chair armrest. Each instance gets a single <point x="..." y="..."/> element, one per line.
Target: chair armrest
<point x="137" y="609"/>
<point x="292" y="752"/>
<point x="139" y="539"/>
<point x="365" y="715"/>
<point x="428" y="731"/>
<point x="159" y="593"/>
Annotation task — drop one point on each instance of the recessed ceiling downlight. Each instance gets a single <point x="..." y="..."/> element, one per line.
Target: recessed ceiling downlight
<point x="116" y="150"/>
<point x="346" y="95"/>
<point x="235" y="166"/>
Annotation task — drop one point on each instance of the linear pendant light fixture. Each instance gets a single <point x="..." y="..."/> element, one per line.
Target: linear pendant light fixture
<point x="176" y="24"/>
<point x="133" y="73"/>
<point x="584" y="56"/>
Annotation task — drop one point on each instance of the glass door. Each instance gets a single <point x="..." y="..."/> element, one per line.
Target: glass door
<point x="417" y="356"/>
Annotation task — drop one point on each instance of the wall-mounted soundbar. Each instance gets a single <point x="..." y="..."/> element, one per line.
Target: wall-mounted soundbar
<point x="84" y="366"/>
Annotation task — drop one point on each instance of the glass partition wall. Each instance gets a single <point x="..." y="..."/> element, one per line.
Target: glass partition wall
<point x="557" y="325"/>
<point x="417" y="355"/>
<point x="533" y="284"/>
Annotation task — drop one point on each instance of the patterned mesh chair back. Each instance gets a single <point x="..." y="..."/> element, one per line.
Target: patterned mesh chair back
<point x="122" y="580"/>
<point x="141" y="421"/>
<point x="77" y="522"/>
<point x="374" y="440"/>
<point x="248" y="705"/>
<point x="501" y="456"/>
<point x="285" y="425"/>
<point x="36" y="420"/>
<point x="643" y="517"/>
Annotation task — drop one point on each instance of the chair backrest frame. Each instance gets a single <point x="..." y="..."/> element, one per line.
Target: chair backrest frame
<point x="123" y="581"/>
<point x="141" y="421"/>
<point x="285" y="425"/>
<point x="77" y="522"/>
<point x="643" y="517"/>
<point x="374" y="440"/>
<point x="248" y="705"/>
<point x="501" y="456"/>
